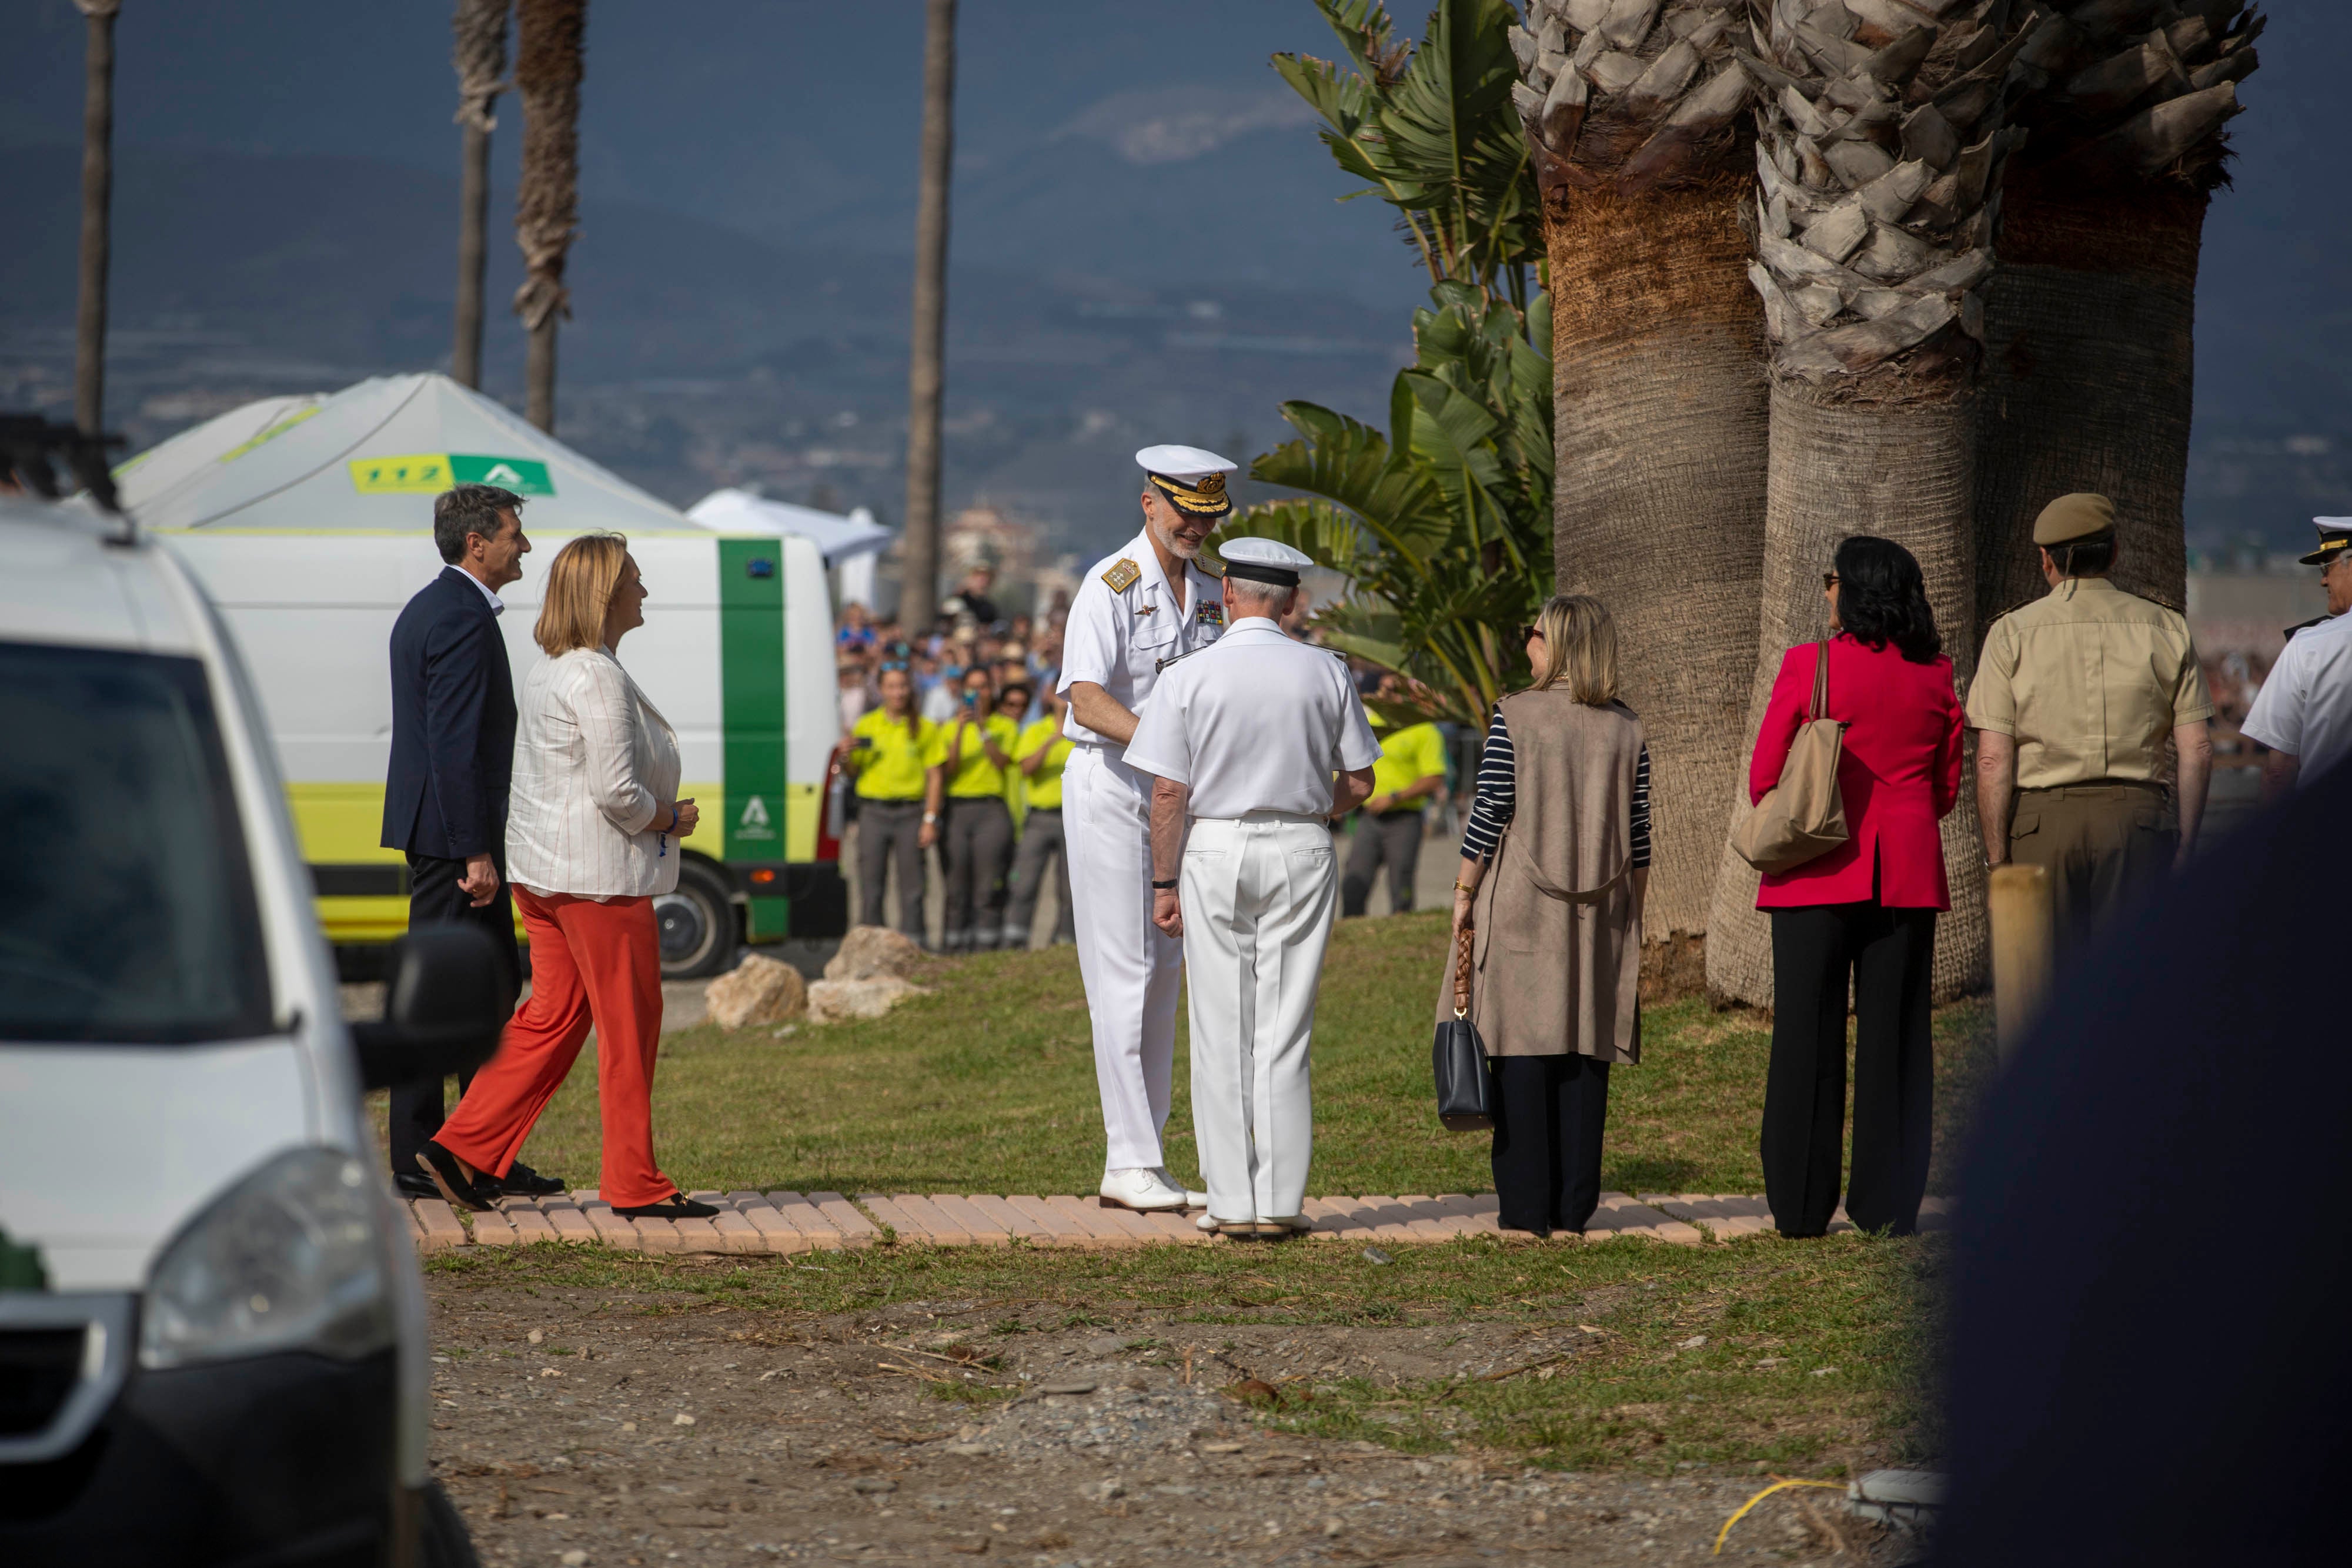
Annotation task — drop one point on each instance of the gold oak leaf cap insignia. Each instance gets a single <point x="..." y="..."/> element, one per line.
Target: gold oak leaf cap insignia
<point x="1192" y="479"/>
<point x="2334" y="538"/>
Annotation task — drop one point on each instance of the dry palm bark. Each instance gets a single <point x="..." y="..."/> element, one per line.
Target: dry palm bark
<point x="549" y="36"/>
<point x="1882" y="140"/>
<point x="1636" y="118"/>
<point x="2088" y="324"/>
<point x="479" y="55"/>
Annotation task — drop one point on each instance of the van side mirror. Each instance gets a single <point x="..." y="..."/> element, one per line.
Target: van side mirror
<point x="445" y="1001"/>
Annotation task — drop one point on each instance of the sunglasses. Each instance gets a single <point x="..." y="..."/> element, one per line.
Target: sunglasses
<point x="1829" y="580"/>
<point x="888" y="665"/>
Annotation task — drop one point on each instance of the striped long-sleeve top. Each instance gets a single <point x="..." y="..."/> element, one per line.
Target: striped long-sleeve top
<point x="1499" y="798"/>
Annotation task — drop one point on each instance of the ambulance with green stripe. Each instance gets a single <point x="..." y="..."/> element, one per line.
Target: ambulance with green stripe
<point x="311" y="527"/>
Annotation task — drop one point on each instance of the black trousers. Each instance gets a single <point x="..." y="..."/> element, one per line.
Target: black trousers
<point x="418" y="1108"/>
<point x="1392" y="839"/>
<point x="1548" y="1115"/>
<point x="1042" y="839"/>
<point x="977" y="850"/>
<point x="1887" y="953"/>
<point x="888" y="833"/>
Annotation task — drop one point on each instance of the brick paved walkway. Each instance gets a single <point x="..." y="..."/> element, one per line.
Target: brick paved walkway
<point x="789" y="1222"/>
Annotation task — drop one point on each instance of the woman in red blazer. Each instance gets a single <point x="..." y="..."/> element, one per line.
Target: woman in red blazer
<point x="1866" y="909"/>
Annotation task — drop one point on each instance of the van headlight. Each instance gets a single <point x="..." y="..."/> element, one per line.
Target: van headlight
<point x="289" y="1258"/>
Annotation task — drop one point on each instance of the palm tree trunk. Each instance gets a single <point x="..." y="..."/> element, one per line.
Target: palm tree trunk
<point x="2090" y="322"/>
<point x="918" y="561"/>
<point x="1882" y="147"/>
<point x="96" y="204"/>
<point x="549" y="38"/>
<point x="2089" y="333"/>
<point x="481" y="57"/>
<point x="1659" y="407"/>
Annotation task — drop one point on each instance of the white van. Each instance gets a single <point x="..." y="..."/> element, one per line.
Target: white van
<point x="212" y="1328"/>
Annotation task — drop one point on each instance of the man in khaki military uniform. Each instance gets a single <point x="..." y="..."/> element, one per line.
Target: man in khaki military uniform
<point x="2073" y="698"/>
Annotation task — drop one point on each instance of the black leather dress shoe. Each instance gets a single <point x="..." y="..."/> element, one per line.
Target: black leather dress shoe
<point x="522" y="1181"/>
<point x="413" y="1184"/>
<point x="449" y="1179"/>
<point x="677" y="1206"/>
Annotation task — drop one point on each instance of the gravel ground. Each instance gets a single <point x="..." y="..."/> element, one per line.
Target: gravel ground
<point x="582" y="1427"/>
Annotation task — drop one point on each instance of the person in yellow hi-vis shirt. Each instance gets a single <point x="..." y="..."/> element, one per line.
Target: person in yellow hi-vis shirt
<point x="1411" y="769"/>
<point x="1038" y="757"/>
<point x="896" y="755"/>
<point x="978" y="851"/>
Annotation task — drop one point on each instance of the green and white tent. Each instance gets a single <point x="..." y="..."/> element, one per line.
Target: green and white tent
<point x="369" y="460"/>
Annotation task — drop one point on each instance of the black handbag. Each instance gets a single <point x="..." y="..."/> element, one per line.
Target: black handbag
<point x="1465" y="1102"/>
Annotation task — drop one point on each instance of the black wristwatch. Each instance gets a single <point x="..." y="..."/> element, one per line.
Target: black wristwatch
<point x="1171" y="881"/>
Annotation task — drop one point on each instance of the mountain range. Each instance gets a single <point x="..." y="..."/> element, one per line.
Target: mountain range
<point x="1148" y="242"/>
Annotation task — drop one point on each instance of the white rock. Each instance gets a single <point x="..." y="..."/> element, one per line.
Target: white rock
<point x="871" y="950"/>
<point x="760" y="990"/>
<point x="831" y="1001"/>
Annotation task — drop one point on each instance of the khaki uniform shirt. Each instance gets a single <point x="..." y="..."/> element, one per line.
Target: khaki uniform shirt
<point x="2089" y="681"/>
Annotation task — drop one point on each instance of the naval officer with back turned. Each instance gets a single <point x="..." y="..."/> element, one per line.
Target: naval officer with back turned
<point x="1252" y="746"/>
<point x="1149" y="603"/>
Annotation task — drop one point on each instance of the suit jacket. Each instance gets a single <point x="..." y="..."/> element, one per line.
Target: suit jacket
<point x="453" y="725"/>
<point x="1898" y="773"/>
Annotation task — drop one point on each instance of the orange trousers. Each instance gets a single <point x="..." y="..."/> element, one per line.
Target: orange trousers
<point x="592" y="965"/>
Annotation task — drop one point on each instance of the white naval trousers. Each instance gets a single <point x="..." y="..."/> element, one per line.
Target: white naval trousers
<point x="1259" y="892"/>
<point x="1130" y="965"/>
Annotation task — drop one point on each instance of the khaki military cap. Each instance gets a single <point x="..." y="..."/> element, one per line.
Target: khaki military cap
<point x="2070" y="520"/>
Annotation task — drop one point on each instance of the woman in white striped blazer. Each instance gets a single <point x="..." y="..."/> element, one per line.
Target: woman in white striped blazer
<point x="592" y="838"/>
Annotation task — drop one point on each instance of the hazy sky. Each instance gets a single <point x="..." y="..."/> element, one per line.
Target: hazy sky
<point x="795" y="121"/>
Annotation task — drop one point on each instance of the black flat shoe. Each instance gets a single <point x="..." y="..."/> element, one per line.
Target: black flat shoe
<point x="415" y="1183"/>
<point x="450" y="1181"/>
<point x="522" y="1181"/>
<point x="677" y="1206"/>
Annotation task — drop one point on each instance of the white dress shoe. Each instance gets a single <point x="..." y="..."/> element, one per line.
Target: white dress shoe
<point x="1245" y="1230"/>
<point x="1191" y="1199"/>
<point x="1145" y="1192"/>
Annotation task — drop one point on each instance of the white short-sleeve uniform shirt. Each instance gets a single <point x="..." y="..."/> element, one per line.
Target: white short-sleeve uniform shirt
<point x="1258" y="723"/>
<point x="2305" y="707"/>
<point x="1118" y="636"/>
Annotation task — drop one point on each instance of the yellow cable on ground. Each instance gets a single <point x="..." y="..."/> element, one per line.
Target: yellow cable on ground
<point x="1725" y="1533"/>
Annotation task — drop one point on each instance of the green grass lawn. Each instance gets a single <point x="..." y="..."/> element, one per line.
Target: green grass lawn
<point x="987" y="1085"/>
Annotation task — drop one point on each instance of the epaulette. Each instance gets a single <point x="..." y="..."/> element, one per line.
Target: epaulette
<point x="2307" y="625"/>
<point x="1123" y="575"/>
<point x="1159" y="665"/>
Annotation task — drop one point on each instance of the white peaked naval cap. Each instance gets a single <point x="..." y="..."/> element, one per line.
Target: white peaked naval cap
<point x="1191" y="479"/>
<point x="1256" y="559"/>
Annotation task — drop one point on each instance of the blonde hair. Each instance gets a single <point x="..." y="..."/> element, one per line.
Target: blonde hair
<point x="580" y="584"/>
<point x="1579" y="647"/>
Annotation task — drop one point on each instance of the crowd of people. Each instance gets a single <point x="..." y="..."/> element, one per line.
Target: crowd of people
<point x="973" y="700"/>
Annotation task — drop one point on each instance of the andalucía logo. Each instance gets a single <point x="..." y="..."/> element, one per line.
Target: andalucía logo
<point x="430" y="473"/>
<point x="754" y="822"/>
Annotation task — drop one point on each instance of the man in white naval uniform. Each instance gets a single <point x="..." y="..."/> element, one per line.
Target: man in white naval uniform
<point x="1146" y="605"/>
<point x="1252" y="745"/>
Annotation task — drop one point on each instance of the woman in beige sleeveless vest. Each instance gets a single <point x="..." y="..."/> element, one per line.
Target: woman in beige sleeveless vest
<point x="1555" y="865"/>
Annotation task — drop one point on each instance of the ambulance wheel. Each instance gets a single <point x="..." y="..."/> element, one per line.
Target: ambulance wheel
<point x="697" y="924"/>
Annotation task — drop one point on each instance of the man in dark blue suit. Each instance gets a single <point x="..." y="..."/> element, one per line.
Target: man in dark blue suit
<point x="444" y="800"/>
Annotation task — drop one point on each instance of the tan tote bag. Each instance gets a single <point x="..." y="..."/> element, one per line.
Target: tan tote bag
<point x="1804" y="815"/>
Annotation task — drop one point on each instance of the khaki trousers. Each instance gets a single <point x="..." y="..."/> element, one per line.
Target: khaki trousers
<point x="2105" y="846"/>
